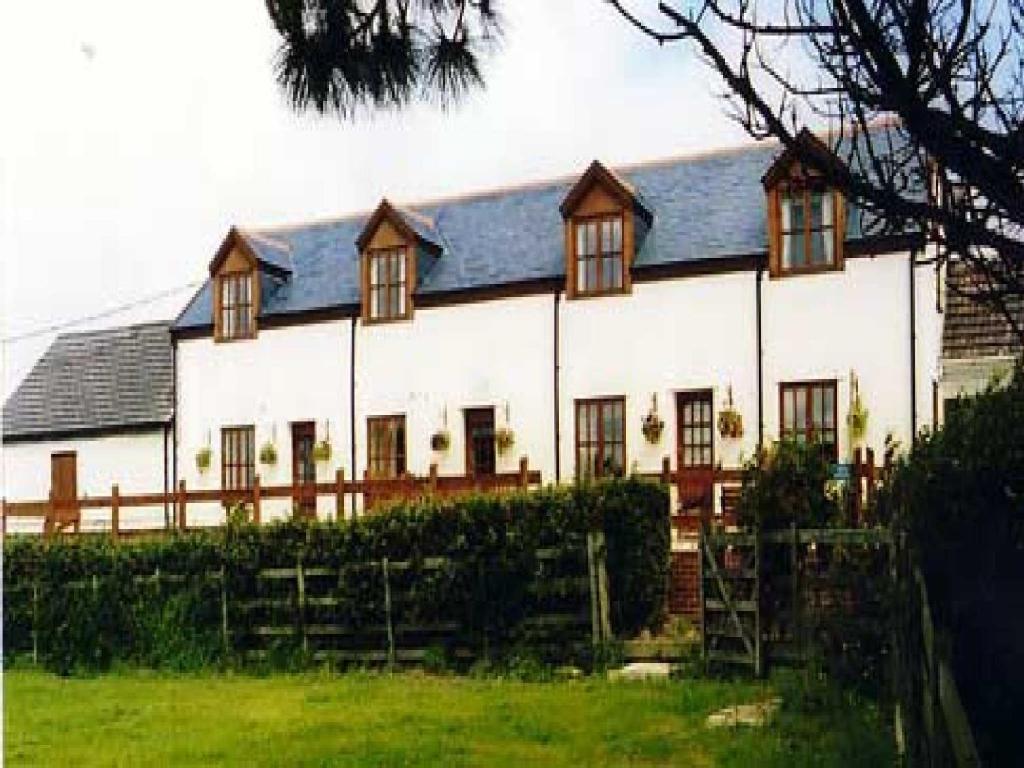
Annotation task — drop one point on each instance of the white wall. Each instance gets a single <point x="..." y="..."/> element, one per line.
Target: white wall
<point x="826" y="325"/>
<point x="133" y="461"/>
<point x="665" y="337"/>
<point x="495" y="353"/>
<point x="284" y="375"/>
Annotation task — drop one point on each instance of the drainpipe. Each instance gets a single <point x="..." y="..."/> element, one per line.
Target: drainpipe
<point x="557" y="375"/>
<point x="352" y="405"/>
<point x="760" y="359"/>
<point x="167" y="429"/>
<point x="174" y="425"/>
<point x="913" y="346"/>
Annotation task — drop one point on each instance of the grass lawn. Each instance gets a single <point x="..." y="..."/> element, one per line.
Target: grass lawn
<point x="410" y="719"/>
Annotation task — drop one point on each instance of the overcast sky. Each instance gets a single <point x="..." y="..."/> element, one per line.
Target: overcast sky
<point x="135" y="133"/>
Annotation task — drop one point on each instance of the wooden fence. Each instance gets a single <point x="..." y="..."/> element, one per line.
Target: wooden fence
<point x="780" y="597"/>
<point x="326" y="612"/>
<point x="767" y="596"/>
<point x="65" y="516"/>
<point x="931" y="721"/>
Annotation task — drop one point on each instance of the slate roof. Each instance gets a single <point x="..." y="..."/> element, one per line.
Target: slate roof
<point x="97" y="381"/>
<point x="971" y="330"/>
<point x="704" y="207"/>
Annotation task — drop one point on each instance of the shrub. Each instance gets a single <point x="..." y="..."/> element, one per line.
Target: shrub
<point x="161" y="602"/>
<point x="788" y="483"/>
<point x="959" y="497"/>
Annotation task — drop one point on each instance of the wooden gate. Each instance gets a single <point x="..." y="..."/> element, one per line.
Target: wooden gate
<point x="730" y="605"/>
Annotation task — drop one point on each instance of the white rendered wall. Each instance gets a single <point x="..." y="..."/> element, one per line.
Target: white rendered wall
<point x="284" y="375"/>
<point x="826" y="325"/>
<point x="495" y="353"/>
<point x="666" y="337"/>
<point x="135" y="462"/>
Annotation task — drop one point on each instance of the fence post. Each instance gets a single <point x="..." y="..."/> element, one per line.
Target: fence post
<point x="35" y="622"/>
<point x="870" y="490"/>
<point x="595" y="609"/>
<point x="432" y="480"/>
<point x="600" y="552"/>
<point x="256" y="499"/>
<point x="225" y="634"/>
<point x="796" y="614"/>
<point x="300" y="580"/>
<point x="524" y="473"/>
<point x="115" y="512"/>
<point x="182" y="522"/>
<point x="50" y="520"/>
<point x="666" y="470"/>
<point x="758" y="650"/>
<point x="387" y="611"/>
<point x="858" y="471"/>
<point x="339" y="494"/>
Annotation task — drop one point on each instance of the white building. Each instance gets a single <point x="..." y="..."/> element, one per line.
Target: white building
<point x="563" y="315"/>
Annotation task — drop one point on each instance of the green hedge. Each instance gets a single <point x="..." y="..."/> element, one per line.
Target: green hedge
<point x="93" y="603"/>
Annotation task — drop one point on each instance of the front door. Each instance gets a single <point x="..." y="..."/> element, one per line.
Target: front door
<point x="695" y="451"/>
<point x="304" y="468"/>
<point x="480" y="442"/>
<point x="64" y="487"/>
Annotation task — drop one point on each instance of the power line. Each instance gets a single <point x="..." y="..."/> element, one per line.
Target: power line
<point x="152" y="298"/>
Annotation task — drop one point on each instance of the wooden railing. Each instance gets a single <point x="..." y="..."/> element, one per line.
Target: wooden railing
<point x="61" y="516"/>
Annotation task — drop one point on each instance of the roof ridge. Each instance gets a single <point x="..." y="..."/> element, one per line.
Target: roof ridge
<point x="114" y="328"/>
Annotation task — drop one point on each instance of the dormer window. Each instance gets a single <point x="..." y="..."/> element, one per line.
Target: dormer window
<point x="599" y="264"/>
<point x="604" y="220"/>
<point x="237" y="318"/>
<point x="806" y="217"/>
<point x="395" y="246"/>
<point x="387" y="283"/>
<point x="235" y="281"/>
<point x="807" y="226"/>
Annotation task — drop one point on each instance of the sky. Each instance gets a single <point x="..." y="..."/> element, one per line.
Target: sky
<point x="134" y="134"/>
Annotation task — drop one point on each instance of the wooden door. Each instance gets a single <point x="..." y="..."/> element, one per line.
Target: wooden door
<point x="64" y="487"/>
<point x="695" y="450"/>
<point x="480" y="460"/>
<point x="304" y="468"/>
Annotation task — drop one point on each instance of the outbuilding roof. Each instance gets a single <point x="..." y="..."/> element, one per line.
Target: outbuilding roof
<point x="972" y="330"/>
<point x="105" y="381"/>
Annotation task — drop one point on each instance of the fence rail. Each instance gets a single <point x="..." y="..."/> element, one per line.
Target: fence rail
<point x="61" y="516"/>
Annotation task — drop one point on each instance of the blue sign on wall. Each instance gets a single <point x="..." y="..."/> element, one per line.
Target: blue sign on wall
<point x="842" y="472"/>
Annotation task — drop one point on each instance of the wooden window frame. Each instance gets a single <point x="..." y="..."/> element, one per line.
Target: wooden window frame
<point x="251" y="276"/>
<point x="403" y="252"/>
<point x="807" y="186"/>
<point x="401" y="458"/>
<point x="808" y="430"/>
<point x="601" y="443"/>
<point x="599" y="254"/>
<point x="233" y="469"/>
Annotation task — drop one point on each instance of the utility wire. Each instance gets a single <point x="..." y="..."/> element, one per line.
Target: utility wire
<point x="151" y="299"/>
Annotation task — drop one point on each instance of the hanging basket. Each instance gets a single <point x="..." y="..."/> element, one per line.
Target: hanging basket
<point x="440" y="441"/>
<point x="730" y="423"/>
<point x="203" y="458"/>
<point x="322" y="451"/>
<point x="504" y="439"/>
<point x="653" y="425"/>
<point x="268" y="454"/>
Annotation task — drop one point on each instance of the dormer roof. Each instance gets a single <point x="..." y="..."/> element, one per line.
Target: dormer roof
<point x="807" y="145"/>
<point x="612" y="182"/>
<point x="265" y="251"/>
<point x="415" y="226"/>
